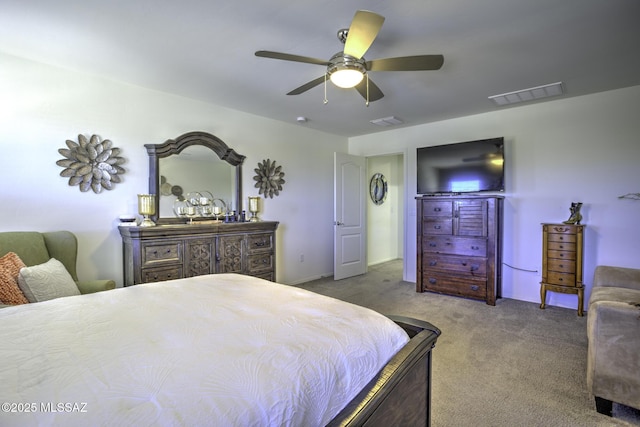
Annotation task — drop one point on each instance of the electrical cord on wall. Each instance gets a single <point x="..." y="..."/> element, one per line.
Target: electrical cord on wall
<point x="521" y="269"/>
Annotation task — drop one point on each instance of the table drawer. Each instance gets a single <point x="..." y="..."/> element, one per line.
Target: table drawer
<point x="562" y="246"/>
<point x="473" y="266"/>
<point x="561" y="238"/>
<point x="437" y="208"/>
<point x="455" y="245"/>
<point x="564" y="279"/>
<point x="451" y="285"/>
<point x="161" y="253"/>
<point x="150" y="275"/>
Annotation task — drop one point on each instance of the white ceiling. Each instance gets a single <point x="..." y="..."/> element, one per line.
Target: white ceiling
<point x="204" y="49"/>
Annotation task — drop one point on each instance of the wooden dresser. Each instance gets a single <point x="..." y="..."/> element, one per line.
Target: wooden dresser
<point x="165" y="252"/>
<point x="460" y="246"/>
<point x="562" y="246"/>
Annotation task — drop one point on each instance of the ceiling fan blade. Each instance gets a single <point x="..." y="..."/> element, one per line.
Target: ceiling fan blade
<point x="290" y="57"/>
<point x="407" y="63"/>
<point x="362" y="32"/>
<point x="305" y="87"/>
<point x="374" y="91"/>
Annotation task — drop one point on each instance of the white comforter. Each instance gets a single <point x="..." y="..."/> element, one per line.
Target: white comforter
<point x="218" y="350"/>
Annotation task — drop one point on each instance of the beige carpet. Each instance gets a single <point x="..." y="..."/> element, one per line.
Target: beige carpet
<point x="509" y="365"/>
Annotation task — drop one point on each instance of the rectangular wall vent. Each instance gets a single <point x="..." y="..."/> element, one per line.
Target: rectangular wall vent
<point x="531" y="94"/>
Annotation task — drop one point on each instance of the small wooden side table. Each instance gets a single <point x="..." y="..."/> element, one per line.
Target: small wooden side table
<point x="562" y="261"/>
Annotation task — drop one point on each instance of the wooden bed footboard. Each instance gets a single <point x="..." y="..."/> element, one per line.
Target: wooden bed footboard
<point x="400" y="395"/>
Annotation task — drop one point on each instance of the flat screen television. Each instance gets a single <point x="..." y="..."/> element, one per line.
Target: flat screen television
<point x="463" y="167"/>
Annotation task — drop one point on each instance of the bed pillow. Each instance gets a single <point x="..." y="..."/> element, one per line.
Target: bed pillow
<point x="10" y="293"/>
<point x="47" y="281"/>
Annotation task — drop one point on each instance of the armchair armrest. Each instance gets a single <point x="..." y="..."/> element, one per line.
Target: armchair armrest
<point x="91" y="286"/>
<point x="613" y="361"/>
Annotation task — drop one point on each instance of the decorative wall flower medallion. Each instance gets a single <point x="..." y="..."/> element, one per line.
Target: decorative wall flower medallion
<point x="91" y="163"/>
<point x="269" y="178"/>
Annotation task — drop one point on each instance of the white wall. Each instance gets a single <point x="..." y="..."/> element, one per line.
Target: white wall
<point x="576" y="149"/>
<point x="385" y="231"/>
<point x="42" y="106"/>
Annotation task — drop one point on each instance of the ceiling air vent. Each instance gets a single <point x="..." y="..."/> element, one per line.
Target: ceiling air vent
<point x="531" y="94"/>
<point x="387" y="121"/>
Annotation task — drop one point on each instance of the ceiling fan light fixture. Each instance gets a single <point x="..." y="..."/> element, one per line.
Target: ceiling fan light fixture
<point x="346" y="71"/>
<point x="346" y="77"/>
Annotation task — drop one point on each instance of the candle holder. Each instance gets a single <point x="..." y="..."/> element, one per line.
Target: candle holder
<point x="146" y="207"/>
<point x="253" y="208"/>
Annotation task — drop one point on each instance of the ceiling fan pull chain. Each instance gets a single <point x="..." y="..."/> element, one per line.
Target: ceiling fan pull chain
<point x="367" y="103"/>
<point x="326" y="101"/>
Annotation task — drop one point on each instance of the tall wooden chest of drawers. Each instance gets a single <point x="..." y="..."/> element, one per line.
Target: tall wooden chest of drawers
<point x="562" y="254"/>
<point x="459" y="246"/>
<point x="166" y="252"/>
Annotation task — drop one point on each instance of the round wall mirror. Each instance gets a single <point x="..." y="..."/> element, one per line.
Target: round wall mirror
<point x="378" y="188"/>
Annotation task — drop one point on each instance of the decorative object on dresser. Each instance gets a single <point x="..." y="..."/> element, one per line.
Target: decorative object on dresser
<point x="254" y="208"/>
<point x="576" y="216"/>
<point x="460" y="246"/>
<point x="175" y="251"/>
<point x="91" y="163"/>
<point x="562" y="255"/>
<point x="146" y="207"/>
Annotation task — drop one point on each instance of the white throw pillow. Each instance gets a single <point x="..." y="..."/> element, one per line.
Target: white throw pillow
<point x="46" y="281"/>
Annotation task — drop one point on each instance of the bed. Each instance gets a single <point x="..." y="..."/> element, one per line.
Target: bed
<point x="222" y="349"/>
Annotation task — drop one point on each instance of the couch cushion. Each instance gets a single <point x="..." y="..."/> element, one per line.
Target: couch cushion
<point x="46" y="281"/>
<point x="613" y="294"/>
<point x="10" y="293"/>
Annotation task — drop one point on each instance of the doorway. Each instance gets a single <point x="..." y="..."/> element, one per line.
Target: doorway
<point x="385" y="221"/>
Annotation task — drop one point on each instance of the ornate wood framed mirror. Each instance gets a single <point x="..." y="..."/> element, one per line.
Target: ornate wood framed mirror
<point x="172" y="172"/>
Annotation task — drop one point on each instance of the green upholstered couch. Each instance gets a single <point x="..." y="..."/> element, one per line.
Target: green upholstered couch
<point x="613" y="330"/>
<point x="36" y="248"/>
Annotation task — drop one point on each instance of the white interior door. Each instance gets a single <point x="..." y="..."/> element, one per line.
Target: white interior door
<point x="349" y="216"/>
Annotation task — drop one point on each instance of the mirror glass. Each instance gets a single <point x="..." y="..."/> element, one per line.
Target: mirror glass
<point x="195" y="172"/>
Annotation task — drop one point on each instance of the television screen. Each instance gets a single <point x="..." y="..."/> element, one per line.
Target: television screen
<point x="464" y="167"/>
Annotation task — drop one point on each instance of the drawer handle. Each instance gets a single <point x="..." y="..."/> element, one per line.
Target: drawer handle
<point x="433" y="263"/>
<point x="475" y="267"/>
<point x="437" y="227"/>
<point x="437" y="209"/>
<point x="433" y="245"/>
<point x="475" y="248"/>
<point x="561" y="246"/>
<point x="464" y="263"/>
<point x="560" y="279"/>
<point x="262" y="243"/>
<point x="475" y="287"/>
<point x="432" y="281"/>
<point x="561" y="255"/>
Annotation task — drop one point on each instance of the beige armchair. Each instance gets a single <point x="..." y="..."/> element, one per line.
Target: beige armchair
<point x="613" y="330"/>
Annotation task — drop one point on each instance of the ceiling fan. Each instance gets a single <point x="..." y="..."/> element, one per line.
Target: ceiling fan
<point x="348" y="68"/>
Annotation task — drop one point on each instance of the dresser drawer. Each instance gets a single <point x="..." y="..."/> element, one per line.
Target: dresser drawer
<point x="150" y="275"/>
<point x="260" y="242"/>
<point x="451" y="285"/>
<point x="473" y="266"/>
<point x="562" y="265"/>
<point x="562" y="246"/>
<point x="564" y="279"/>
<point x="455" y="245"/>
<point x="260" y="262"/>
<point x="437" y="208"/>
<point x="561" y="238"/>
<point x="170" y="252"/>
<point x="435" y="225"/>
<point x="568" y="255"/>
